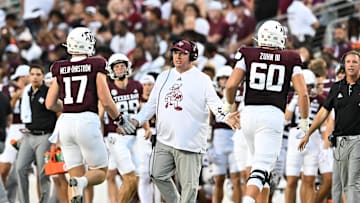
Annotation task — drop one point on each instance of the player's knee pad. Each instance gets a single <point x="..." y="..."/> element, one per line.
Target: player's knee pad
<point x="259" y="178"/>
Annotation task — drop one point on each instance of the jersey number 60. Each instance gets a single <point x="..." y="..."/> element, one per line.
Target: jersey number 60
<point x="271" y="78"/>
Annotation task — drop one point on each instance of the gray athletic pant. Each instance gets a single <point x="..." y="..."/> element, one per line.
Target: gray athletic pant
<point x="32" y="148"/>
<point x="166" y="161"/>
<point x="346" y="169"/>
<point x="3" y="195"/>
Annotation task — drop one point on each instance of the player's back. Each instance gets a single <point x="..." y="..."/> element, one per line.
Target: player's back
<point x="77" y="82"/>
<point x="268" y="75"/>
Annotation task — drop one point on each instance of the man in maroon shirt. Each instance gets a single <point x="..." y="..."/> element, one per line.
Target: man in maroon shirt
<point x="80" y="83"/>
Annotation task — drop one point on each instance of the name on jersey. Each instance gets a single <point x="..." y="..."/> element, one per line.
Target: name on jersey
<point x="126" y="97"/>
<point x="75" y="69"/>
<point x="269" y="57"/>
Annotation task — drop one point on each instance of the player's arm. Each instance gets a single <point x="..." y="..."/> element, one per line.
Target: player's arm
<point x="232" y="85"/>
<point x="101" y="116"/>
<point x="52" y="101"/>
<point x="303" y="96"/>
<point x="105" y="97"/>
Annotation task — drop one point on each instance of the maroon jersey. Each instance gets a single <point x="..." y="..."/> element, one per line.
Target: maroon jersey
<point x="127" y="100"/>
<point x="77" y="81"/>
<point x="8" y="91"/>
<point x="268" y="75"/>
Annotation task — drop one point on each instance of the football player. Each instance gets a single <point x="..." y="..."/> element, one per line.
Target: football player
<point x="122" y="148"/>
<point x="224" y="148"/>
<point x="307" y="160"/>
<point x="80" y="83"/>
<point x="268" y="70"/>
<point x="13" y="91"/>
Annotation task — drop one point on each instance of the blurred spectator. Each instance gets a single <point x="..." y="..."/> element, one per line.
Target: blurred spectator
<point x="29" y="50"/>
<point x="265" y="9"/>
<point x="341" y="44"/>
<point x="35" y="12"/>
<point x="354" y="29"/>
<point x="137" y="57"/>
<point x="77" y="15"/>
<point x="123" y="40"/>
<point x="219" y="28"/>
<point x="302" y="23"/>
<point x="55" y="19"/>
<point x="103" y="36"/>
<point x="214" y="57"/>
<point x="176" y="22"/>
<point x="66" y="7"/>
<point x="152" y="19"/>
<point x="124" y="10"/>
<point x="12" y="24"/>
<point x="139" y="36"/>
<point x="156" y="63"/>
<point x="90" y="20"/>
<point x="201" y="25"/>
<point x="209" y="70"/>
<point x="11" y="59"/>
<point x="103" y="16"/>
<point x="306" y="54"/>
<point x="242" y="27"/>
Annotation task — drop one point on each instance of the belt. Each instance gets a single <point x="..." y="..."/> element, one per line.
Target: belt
<point x="39" y="132"/>
<point x="349" y="137"/>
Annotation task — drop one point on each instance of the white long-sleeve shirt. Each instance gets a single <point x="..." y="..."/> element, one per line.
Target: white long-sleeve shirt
<point x="181" y="102"/>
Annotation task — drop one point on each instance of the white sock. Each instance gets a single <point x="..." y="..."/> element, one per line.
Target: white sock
<point x="248" y="199"/>
<point x="84" y="180"/>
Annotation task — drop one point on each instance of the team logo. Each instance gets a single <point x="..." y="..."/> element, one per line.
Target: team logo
<point x="41" y="100"/>
<point x="114" y="92"/>
<point x="180" y="44"/>
<point x="173" y="97"/>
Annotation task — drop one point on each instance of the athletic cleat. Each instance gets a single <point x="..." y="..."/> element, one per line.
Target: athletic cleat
<point x="77" y="199"/>
<point x="77" y="188"/>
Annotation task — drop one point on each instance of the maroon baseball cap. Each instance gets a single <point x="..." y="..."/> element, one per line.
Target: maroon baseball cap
<point x="183" y="46"/>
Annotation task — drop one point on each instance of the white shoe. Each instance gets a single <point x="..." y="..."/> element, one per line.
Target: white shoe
<point x="77" y="188"/>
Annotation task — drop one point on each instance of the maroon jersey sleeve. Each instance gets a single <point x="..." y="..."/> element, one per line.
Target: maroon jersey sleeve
<point x="77" y="82"/>
<point x="268" y="75"/>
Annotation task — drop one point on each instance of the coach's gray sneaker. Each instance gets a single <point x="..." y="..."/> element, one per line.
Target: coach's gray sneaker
<point x="77" y="188"/>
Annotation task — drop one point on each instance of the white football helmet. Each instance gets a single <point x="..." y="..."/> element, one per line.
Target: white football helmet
<point x="271" y="34"/>
<point x="223" y="72"/>
<point x="310" y="80"/>
<point x="80" y="41"/>
<point x="115" y="59"/>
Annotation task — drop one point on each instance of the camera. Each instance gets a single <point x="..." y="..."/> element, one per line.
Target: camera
<point x="332" y="140"/>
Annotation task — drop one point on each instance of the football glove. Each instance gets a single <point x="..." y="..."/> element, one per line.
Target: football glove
<point x="124" y="124"/>
<point x="227" y="107"/>
<point x="304" y="124"/>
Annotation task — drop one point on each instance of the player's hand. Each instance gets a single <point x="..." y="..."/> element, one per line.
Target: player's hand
<point x="125" y="125"/>
<point x="227" y="107"/>
<point x="304" y="124"/>
<point x="303" y="142"/>
<point x="233" y="120"/>
<point x="147" y="134"/>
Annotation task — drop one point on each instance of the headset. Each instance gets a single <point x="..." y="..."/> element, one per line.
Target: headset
<point x="194" y="50"/>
